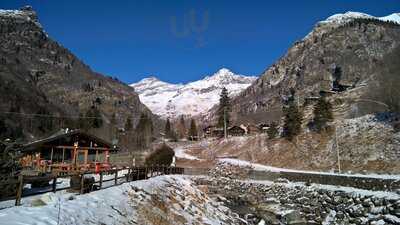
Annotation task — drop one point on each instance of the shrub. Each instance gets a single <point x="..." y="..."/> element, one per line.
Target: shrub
<point x="161" y="156"/>
<point x="322" y="115"/>
<point x="292" y="121"/>
<point x="272" y="130"/>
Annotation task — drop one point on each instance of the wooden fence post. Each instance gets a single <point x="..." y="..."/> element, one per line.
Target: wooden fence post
<point x="101" y="180"/>
<point x="116" y="177"/>
<point x="157" y="170"/>
<point x="137" y="173"/>
<point x="151" y="171"/>
<point x="82" y="183"/>
<point x="54" y="184"/>
<point x="128" y="174"/>
<point x="19" y="190"/>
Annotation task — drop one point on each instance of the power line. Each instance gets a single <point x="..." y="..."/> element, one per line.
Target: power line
<point x="32" y="115"/>
<point x="52" y="116"/>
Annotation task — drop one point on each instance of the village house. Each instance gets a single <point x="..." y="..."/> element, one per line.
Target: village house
<point x="263" y="127"/>
<point x="252" y="129"/>
<point x="213" y="131"/>
<point x="236" y="131"/>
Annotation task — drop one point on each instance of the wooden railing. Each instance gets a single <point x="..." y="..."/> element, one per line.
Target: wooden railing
<point x="131" y="174"/>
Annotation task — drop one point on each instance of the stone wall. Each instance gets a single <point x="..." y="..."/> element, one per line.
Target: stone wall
<point x="282" y="202"/>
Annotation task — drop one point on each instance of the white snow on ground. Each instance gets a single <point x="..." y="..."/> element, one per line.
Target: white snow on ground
<point x="180" y="153"/>
<point x="330" y="219"/>
<point x="172" y="100"/>
<point x="61" y="183"/>
<point x="261" y="167"/>
<point x="164" y="198"/>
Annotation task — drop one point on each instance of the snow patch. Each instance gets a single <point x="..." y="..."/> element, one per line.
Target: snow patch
<point x="260" y="167"/>
<point x="170" y="198"/>
<point x="180" y="153"/>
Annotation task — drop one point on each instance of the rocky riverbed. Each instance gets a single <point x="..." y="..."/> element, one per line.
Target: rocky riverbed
<point x="284" y="202"/>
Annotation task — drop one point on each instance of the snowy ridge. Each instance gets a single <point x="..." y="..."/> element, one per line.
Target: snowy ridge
<point x="339" y="19"/>
<point x="194" y="98"/>
<point x="26" y="13"/>
<point x="348" y="16"/>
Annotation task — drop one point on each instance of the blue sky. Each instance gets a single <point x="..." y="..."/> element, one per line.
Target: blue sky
<point x="181" y="41"/>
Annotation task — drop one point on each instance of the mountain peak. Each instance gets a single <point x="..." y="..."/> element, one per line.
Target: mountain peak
<point x="149" y="79"/>
<point x="341" y="18"/>
<point x="221" y="74"/>
<point x="224" y="70"/>
<point x="26" y="14"/>
<point x="194" y="98"/>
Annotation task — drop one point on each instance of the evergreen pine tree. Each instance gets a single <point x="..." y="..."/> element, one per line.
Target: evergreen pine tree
<point x="167" y="130"/>
<point x="292" y="121"/>
<point x="224" y="108"/>
<point x="272" y="130"/>
<point x="181" y="127"/>
<point x="322" y="114"/>
<point x="128" y="124"/>
<point x="113" y="126"/>
<point x="193" y="135"/>
<point x="144" y="131"/>
<point x="96" y="121"/>
<point x="83" y="124"/>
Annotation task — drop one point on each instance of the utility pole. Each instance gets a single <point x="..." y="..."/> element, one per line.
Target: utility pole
<point x="337" y="150"/>
<point x="225" y="133"/>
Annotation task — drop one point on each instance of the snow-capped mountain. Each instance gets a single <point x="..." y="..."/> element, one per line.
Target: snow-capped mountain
<point x="194" y="98"/>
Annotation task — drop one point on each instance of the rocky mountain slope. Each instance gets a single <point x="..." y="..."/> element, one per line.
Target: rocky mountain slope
<point x="194" y="98"/>
<point x="345" y="55"/>
<point x="354" y="60"/>
<point x="39" y="77"/>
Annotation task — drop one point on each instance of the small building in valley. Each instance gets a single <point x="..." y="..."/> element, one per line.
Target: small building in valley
<point x="213" y="131"/>
<point x="263" y="127"/>
<point x="252" y="129"/>
<point x="236" y="131"/>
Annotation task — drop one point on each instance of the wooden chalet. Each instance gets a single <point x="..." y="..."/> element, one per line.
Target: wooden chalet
<point x="263" y="127"/>
<point x="252" y="129"/>
<point x="213" y="131"/>
<point x="67" y="151"/>
<point x="236" y="131"/>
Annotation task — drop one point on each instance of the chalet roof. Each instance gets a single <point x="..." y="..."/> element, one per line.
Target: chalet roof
<point x="208" y="127"/>
<point x="65" y="133"/>
<point x="236" y="127"/>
